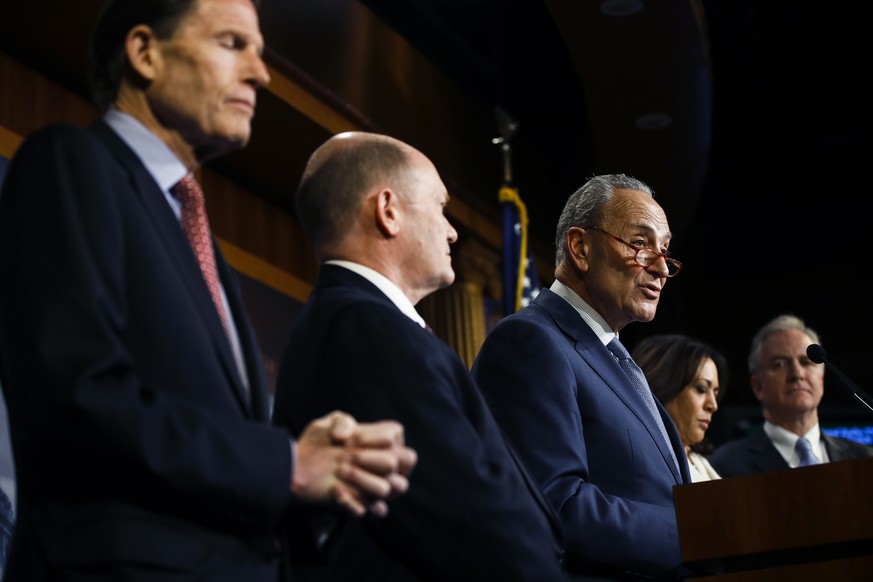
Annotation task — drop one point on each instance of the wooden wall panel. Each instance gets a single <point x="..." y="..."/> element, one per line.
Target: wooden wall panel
<point x="260" y="232"/>
<point x="250" y="192"/>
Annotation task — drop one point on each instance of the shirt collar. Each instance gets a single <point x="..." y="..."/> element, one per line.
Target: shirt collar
<point x="589" y="315"/>
<point x="785" y="440"/>
<point x="159" y="160"/>
<point x="385" y="285"/>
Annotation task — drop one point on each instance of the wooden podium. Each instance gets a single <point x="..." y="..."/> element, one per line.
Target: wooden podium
<point x="809" y="523"/>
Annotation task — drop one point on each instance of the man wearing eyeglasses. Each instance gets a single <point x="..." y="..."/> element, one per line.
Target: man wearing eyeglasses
<point x="605" y="454"/>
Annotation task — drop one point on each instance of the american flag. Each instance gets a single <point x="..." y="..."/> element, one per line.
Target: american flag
<point x="520" y="280"/>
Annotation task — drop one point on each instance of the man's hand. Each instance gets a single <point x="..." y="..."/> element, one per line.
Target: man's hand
<point x="357" y="466"/>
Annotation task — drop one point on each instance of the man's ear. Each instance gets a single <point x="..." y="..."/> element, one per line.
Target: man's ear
<point x="756" y="387"/>
<point x="387" y="214"/>
<point x="577" y="247"/>
<point x="142" y="53"/>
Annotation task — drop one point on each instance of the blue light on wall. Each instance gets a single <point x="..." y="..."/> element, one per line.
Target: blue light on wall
<point x="861" y="434"/>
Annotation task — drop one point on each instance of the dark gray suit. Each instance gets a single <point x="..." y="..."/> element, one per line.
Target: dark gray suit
<point x="757" y="454"/>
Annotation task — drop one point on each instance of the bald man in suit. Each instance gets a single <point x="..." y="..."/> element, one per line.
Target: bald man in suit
<point x="373" y="208"/>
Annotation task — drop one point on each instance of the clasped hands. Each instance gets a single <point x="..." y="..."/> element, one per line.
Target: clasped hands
<point x="358" y="466"/>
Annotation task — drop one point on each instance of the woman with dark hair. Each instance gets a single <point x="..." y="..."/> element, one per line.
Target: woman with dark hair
<point x="688" y="377"/>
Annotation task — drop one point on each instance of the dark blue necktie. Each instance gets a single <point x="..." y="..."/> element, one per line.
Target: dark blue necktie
<point x="638" y="379"/>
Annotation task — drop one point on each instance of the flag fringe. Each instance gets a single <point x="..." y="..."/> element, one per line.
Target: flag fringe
<point x="510" y="195"/>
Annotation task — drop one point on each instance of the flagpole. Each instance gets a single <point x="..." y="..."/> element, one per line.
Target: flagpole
<point x="507" y="127"/>
<point x="513" y="287"/>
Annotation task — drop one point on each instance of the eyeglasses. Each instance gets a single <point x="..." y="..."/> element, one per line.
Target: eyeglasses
<point x="646" y="256"/>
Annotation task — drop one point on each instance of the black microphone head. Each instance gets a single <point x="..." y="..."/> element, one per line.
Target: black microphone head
<point x="816" y="353"/>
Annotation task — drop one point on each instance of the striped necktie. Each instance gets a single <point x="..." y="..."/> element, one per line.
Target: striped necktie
<point x="638" y="379"/>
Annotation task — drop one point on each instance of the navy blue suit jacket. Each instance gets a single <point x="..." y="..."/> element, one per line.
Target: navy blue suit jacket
<point x="132" y="438"/>
<point x="587" y="437"/>
<point x="469" y="514"/>
<point x="756" y="453"/>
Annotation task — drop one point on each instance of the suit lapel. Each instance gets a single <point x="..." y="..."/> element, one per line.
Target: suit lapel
<point x="764" y="454"/>
<point x="604" y="364"/>
<point x="179" y="250"/>
<point x="836" y="450"/>
<point x="257" y="402"/>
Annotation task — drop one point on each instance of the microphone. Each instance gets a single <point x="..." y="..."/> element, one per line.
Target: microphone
<point x="817" y="354"/>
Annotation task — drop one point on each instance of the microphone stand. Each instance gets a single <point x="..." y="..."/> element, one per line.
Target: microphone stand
<point x="817" y="354"/>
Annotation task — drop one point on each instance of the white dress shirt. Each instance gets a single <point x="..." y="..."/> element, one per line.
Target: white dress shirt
<point x="784" y="442"/>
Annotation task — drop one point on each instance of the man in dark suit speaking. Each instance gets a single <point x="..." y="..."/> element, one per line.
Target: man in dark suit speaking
<point x="137" y="405"/>
<point x="373" y="208"/>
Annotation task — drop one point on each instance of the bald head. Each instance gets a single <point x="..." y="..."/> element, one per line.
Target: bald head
<point x="378" y="202"/>
<point x="338" y="177"/>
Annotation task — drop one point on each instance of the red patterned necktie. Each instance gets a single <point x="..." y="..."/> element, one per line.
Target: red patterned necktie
<point x="196" y="226"/>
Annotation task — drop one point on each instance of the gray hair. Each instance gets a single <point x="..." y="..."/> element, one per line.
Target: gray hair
<point x="585" y="206"/>
<point x="776" y="325"/>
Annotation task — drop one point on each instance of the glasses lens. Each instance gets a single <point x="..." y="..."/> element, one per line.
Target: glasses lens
<point x="646" y="257"/>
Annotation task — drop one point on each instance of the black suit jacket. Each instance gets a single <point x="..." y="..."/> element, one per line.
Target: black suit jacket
<point x="756" y="453"/>
<point x="132" y="439"/>
<point x="469" y="514"/>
